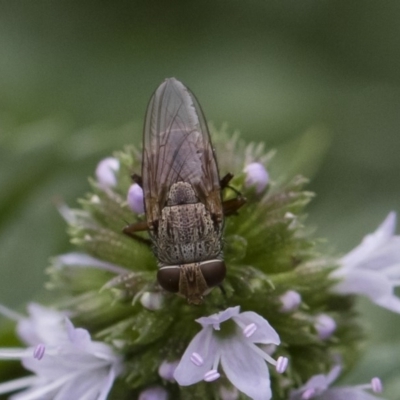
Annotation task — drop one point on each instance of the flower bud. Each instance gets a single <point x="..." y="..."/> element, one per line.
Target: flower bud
<point x="166" y="370"/>
<point x="256" y="175"/>
<point x="290" y="301"/>
<point x="135" y="199"/>
<point x="105" y="172"/>
<point x="152" y="300"/>
<point x="325" y="326"/>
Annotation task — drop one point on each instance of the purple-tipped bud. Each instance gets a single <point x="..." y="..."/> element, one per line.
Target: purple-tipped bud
<point x="154" y="393"/>
<point x="325" y="326"/>
<point x="135" y="199"/>
<point x="290" y="301"/>
<point x="256" y="175"/>
<point x="105" y="172"/>
<point x="166" y="370"/>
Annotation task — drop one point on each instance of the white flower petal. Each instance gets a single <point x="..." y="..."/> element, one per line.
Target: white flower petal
<point x="368" y="283"/>
<point x="390" y="302"/>
<point x="264" y="333"/>
<point x="384" y="257"/>
<point x="108" y="382"/>
<point x="371" y="242"/>
<point x="204" y="344"/>
<point x="86" y="261"/>
<point x="17" y="384"/>
<point x="373" y="267"/>
<point x="73" y="366"/>
<point x="249" y="374"/>
<point x="218" y="318"/>
<point x="392" y="272"/>
<point x="333" y="374"/>
<point x="43" y="390"/>
<point x="43" y="325"/>
<point x="78" y="336"/>
<point x="348" y="394"/>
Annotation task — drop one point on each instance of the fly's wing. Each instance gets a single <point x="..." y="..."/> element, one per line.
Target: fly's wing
<point x="177" y="147"/>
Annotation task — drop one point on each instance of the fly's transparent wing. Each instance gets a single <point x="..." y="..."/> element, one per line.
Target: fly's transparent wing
<point x="177" y="148"/>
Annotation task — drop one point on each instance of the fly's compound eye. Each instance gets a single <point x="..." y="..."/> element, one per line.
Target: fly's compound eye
<point x="213" y="272"/>
<point x="168" y="278"/>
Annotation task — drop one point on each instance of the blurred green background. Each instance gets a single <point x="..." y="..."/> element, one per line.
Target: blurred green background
<point x="319" y="80"/>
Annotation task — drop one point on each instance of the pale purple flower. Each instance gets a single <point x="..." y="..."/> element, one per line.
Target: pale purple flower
<point x="318" y="387"/>
<point x="290" y="300"/>
<point x="105" y="172"/>
<point x="325" y="326"/>
<point x="135" y="199"/>
<point x="373" y="267"/>
<point x="154" y="393"/>
<point x="256" y="175"/>
<point x="233" y="345"/>
<point x="65" y="362"/>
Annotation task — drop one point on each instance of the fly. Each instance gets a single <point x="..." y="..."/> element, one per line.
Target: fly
<point x="182" y="194"/>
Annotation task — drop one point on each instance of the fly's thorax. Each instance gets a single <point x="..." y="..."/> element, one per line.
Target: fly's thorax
<point x="194" y="280"/>
<point x="181" y="193"/>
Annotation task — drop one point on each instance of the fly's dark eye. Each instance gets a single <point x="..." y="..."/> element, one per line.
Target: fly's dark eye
<point x="213" y="272"/>
<point x="168" y="278"/>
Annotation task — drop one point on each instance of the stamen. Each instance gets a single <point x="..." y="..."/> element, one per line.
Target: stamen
<point x="197" y="359"/>
<point x="249" y="330"/>
<point x="281" y="364"/>
<point x="308" y="394"/>
<point x="261" y="353"/>
<point x="39" y="350"/>
<point x="211" y="375"/>
<point x="376" y="385"/>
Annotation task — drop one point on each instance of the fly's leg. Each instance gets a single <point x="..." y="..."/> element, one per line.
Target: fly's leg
<point x="222" y="289"/>
<point x="232" y="205"/>
<point x="137" y="179"/>
<point x="224" y="182"/>
<point x="131" y="229"/>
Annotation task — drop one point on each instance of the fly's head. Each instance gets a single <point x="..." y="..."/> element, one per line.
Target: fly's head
<point x="192" y="281"/>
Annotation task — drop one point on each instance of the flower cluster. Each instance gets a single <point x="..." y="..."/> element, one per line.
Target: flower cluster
<point x="283" y="319"/>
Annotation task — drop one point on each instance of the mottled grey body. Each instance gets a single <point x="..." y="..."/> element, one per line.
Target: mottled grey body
<point x="187" y="232"/>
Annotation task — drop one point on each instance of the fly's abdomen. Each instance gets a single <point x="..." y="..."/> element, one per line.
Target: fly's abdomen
<point x="187" y="234"/>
